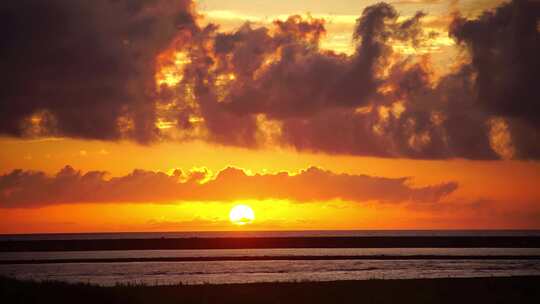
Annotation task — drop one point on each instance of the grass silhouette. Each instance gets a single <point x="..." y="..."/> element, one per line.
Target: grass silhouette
<point x="451" y="290"/>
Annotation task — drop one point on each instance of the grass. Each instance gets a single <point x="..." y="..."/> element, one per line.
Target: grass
<point x="462" y="290"/>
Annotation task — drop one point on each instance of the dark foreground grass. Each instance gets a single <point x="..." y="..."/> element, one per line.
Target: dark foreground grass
<point x="466" y="290"/>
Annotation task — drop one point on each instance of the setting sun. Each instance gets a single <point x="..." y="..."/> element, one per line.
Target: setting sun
<point x="241" y="215"/>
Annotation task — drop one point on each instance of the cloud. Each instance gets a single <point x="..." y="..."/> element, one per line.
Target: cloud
<point x="84" y="69"/>
<point x="274" y="85"/>
<point x="22" y="189"/>
<point x="504" y="45"/>
<point x="376" y="102"/>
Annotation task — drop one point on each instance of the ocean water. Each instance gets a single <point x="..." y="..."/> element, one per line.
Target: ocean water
<point x="219" y="272"/>
<point x="452" y="262"/>
<point x="236" y="271"/>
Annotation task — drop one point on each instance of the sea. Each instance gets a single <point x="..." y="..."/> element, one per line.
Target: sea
<point x="226" y="266"/>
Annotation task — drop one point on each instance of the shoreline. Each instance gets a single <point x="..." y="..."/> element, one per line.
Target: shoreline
<point x="448" y="290"/>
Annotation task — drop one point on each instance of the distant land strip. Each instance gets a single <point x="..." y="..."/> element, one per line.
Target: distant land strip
<point x="273" y="242"/>
<point x="273" y="258"/>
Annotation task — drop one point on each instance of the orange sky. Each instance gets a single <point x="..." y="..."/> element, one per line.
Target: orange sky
<point x="512" y="185"/>
<point x="496" y="194"/>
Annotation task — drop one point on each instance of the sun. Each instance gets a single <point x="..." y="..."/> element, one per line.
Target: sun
<point x="242" y="215"/>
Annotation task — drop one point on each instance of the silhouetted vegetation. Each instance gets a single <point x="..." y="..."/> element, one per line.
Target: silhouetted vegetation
<point x="464" y="290"/>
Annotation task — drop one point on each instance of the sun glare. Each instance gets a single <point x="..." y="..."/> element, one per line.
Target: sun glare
<point x="242" y="215"/>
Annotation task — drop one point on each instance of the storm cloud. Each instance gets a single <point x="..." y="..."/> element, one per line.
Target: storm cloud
<point x="26" y="189"/>
<point x="89" y="69"/>
<point x="84" y="68"/>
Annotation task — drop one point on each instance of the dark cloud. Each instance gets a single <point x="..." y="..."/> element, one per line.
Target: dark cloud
<point x="84" y="68"/>
<point x="304" y="80"/>
<point x="23" y="189"/>
<point x="375" y="102"/>
<point x="504" y="45"/>
<point x="94" y="78"/>
<point x="282" y="73"/>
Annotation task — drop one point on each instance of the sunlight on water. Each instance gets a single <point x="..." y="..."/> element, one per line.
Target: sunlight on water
<point x="267" y="271"/>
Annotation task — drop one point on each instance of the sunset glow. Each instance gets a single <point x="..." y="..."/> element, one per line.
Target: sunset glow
<point x="321" y="115"/>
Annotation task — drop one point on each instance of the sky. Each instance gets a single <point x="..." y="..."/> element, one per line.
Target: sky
<point x="163" y="115"/>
